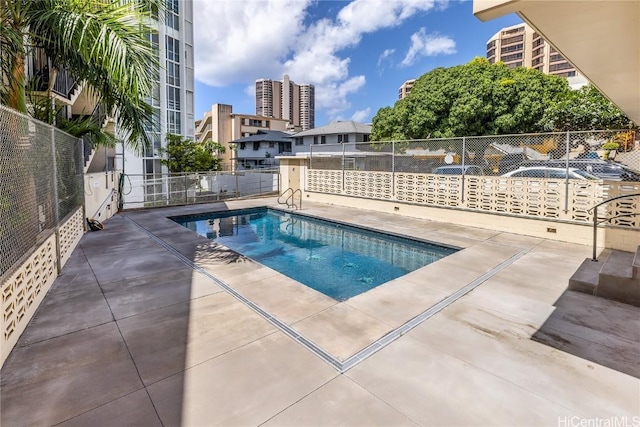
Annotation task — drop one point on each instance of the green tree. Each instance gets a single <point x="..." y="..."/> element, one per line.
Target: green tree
<point x="478" y="98"/>
<point x="184" y="155"/>
<point x="584" y="109"/>
<point x="103" y="43"/>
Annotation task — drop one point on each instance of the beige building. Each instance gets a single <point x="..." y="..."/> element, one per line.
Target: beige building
<point x="284" y="99"/>
<point x="222" y="125"/>
<point x="405" y="89"/>
<point x="522" y="46"/>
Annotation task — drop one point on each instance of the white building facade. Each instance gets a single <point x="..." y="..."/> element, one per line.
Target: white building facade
<point x="173" y="96"/>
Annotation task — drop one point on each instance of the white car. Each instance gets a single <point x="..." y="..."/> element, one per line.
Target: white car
<point x="457" y="170"/>
<point x="544" y="172"/>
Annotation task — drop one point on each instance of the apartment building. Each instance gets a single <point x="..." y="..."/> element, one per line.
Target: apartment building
<point x="224" y="126"/>
<point x="405" y="89"/>
<point x="521" y="46"/>
<point x="173" y="97"/>
<point x="284" y="99"/>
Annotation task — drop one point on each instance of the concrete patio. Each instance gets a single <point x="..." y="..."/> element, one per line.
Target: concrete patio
<point x="131" y="334"/>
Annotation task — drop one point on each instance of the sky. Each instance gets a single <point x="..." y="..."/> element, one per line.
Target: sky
<point x="356" y="53"/>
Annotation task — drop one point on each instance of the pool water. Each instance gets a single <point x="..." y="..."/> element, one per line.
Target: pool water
<point x="338" y="260"/>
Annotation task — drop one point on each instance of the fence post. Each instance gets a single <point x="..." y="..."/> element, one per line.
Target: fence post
<point x="393" y="168"/>
<point x="464" y="154"/>
<point x="56" y="200"/>
<point x="566" y="181"/>
<point x="186" y="198"/>
<point x="343" y="159"/>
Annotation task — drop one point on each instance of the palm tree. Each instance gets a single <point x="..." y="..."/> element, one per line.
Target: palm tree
<point x="104" y="43"/>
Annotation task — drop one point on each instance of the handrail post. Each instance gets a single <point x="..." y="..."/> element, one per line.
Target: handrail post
<point x="595" y="234"/>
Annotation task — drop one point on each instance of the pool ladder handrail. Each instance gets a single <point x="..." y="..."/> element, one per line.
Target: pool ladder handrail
<point x="290" y="201"/>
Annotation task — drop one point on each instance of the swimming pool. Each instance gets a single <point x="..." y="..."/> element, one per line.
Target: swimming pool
<point x="338" y="260"/>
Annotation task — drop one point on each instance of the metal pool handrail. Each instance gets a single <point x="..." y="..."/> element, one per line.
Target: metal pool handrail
<point x="596" y="222"/>
<point x="291" y="198"/>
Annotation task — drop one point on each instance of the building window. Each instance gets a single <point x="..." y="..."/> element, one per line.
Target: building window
<point x="323" y="139"/>
<point x="343" y="138"/>
<point x="243" y="145"/>
<point x="365" y="137"/>
<point x="272" y="144"/>
<point x="298" y="141"/>
<point x="173" y="98"/>
<point x="266" y="123"/>
<point x="256" y="145"/>
<point x="514" y="39"/>
<point x="173" y="49"/>
<point x="315" y="139"/>
<point x="512" y="48"/>
<point x="556" y="57"/>
<point x="173" y="73"/>
<point x="172" y="15"/>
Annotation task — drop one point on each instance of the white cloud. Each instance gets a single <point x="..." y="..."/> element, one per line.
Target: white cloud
<point x="362" y="116"/>
<point x="333" y="97"/>
<point x="423" y="44"/>
<point x="385" y="55"/>
<point x="242" y="40"/>
<point x="250" y="91"/>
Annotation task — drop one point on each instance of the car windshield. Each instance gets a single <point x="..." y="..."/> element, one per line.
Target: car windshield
<point x="584" y="174"/>
<point x="449" y="171"/>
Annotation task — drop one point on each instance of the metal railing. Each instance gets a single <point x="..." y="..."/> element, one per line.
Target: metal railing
<point x="154" y="190"/>
<point x="290" y="200"/>
<point x="491" y="155"/>
<point x="597" y="222"/>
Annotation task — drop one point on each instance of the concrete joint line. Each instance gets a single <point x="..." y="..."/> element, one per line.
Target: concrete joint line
<point x="365" y="353"/>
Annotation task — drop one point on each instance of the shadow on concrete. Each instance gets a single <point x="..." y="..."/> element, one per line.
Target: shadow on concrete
<point x="110" y="341"/>
<point x="602" y="331"/>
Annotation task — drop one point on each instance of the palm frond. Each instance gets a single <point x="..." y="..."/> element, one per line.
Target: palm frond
<point x="105" y="44"/>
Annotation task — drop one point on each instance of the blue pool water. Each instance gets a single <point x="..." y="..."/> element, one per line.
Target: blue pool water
<point x="339" y="261"/>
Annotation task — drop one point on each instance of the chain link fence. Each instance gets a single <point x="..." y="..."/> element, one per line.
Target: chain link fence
<point x="153" y="190"/>
<point x="609" y="155"/>
<point x="40" y="182"/>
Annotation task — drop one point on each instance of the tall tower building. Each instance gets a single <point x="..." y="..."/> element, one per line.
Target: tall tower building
<point x="521" y="46"/>
<point x="172" y="100"/>
<point x="283" y="99"/>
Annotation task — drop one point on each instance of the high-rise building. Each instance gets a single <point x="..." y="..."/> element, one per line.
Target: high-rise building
<point x="405" y="89"/>
<point x="172" y="100"/>
<point x="521" y="46"/>
<point x="283" y="99"/>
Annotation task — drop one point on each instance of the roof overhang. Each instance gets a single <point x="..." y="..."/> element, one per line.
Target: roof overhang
<point x="600" y="38"/>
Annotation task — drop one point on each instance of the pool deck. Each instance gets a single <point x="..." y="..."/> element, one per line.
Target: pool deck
<point x="144" y="327"/>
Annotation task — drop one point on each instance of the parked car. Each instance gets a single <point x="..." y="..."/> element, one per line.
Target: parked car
<point x="545" y="172"/>
<point x="602" y="169"/>
<point x="509" y="162"/>
<point x="458" y="170"/>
